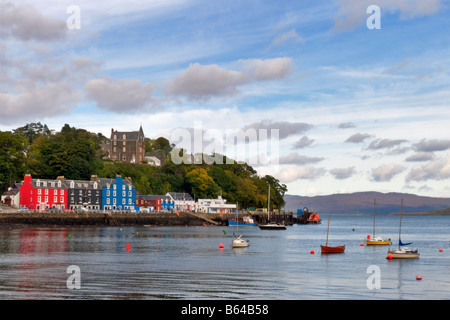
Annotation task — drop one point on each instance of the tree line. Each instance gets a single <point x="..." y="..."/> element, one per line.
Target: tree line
<point x="77" y="154"/>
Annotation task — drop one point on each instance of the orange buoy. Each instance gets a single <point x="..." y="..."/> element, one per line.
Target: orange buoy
<point x="312" y="252"/>
<point x="419" y="278"/>
<point x="389" y="256"/>
<point x="221" y="246"/>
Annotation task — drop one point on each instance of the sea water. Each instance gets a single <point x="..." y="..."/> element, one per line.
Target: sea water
<point x="147" y="262"/>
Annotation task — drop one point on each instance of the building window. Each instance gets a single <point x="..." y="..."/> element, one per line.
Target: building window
<point x="123" y="201"/>
<point x="62" y="191"/>
<point x="55" y="199"/>
<point x="124" y="194"/>
<point x="46" y="199"/>
<point x="39" y="191"/>
<point x="39" y="198"/>
<point x="107" y="201"/>
<point x="62" y="200"/>
<point x="46" y="191"/>
<point x="107" y="193"/>
<point x="124" y="137"/>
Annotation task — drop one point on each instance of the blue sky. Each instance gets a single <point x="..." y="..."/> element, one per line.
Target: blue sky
<point x="356" y="109"/>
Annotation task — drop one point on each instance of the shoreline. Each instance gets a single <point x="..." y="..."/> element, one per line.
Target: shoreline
<point x="111" y="219"/>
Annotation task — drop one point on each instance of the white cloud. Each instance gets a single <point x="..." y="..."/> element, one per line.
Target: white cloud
<point x="122" y="95"/>
<point x="438" y="169"/>
<point x="295" y="158"/>
<point x="386" y="172"/>
<point x="25" y="22"/>
<point x="343" y="173"/>
<point x="291" y="174"/>
<point x="286" y="37"/>
<point x="203" y="82"/>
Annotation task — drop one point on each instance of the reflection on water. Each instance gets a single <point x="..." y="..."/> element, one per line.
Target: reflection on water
<point x="187" y="263"/>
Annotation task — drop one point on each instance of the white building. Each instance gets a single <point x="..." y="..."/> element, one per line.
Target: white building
<point x="218" y="205"/>
<point x="12" y="196"/>
<point x="182" y="201"/>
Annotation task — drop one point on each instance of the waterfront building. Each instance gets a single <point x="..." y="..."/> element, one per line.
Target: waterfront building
<point x="218" y="205"/>
<point x="182" y="201"/>
<point x="127" y="146"/>
<point x="11" y="197"/>
<point x="118" y="194"/>
<point x="166" y="203"/>
<point x="43" y="194"/>
<point x="152" y="202"/>
<point x="84" y="194"/>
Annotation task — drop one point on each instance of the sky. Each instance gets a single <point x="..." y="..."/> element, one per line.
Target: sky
<point x="333" y="97"/>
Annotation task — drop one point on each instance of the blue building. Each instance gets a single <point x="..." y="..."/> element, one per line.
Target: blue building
<point x="118" y="194"/>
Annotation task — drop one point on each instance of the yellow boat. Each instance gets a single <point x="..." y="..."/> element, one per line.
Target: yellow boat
<point x="378" y="241"/>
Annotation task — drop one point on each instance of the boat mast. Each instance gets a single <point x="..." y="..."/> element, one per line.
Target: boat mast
<point x="400" y="227"/>
<point x="268" y="205"/>
<point x="328" y="228"/>
<point x="374" y="205"/>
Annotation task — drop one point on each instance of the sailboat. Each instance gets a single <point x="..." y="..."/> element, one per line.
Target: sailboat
<point x="271" y="225"/>
<point x="376" y="241"/>
<point x="402" y="253"/>
<point x="238" y="242"/>
<point x="327" y="249"/>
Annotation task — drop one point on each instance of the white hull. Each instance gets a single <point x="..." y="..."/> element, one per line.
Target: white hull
<point x="239" y="243"/>
<point x="403" y="254"/>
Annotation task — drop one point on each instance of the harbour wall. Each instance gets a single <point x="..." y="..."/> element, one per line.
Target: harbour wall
<point x="129" y="219"/>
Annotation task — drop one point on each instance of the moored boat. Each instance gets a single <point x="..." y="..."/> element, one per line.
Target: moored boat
<point x="402" y="253"/>
<point x="337" y="249"/>
<point x="272" y="226"/>
<point x="246" y="221"/>
<point x="239" y="243"/>
<point x="327" y="249"/>
<point x="376" y="241"/>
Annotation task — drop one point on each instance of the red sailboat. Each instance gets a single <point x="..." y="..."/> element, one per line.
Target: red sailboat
<point x="327" y="249"/>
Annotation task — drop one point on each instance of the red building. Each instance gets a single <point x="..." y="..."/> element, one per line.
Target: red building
<point x="43" y="194"/>
<point x="150" y="201"/>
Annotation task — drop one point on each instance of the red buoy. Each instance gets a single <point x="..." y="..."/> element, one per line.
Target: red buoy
<point x="128" y="247"/>
<point x="312" y="252"/>
<point x="361" y="244"/>
<point x="368" y="237"/>
<point x="221" y="246"/>
<point x="419" y="278"/>
<point x="389" y="256"/>
<point x="440" y="250"/>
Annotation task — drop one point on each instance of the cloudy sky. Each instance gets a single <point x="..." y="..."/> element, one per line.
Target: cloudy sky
<point x="336" y="106"/>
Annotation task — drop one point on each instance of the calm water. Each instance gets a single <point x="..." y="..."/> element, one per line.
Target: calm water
<point x="186" y="263"/>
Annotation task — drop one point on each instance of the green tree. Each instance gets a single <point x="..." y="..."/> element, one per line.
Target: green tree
<point x="12" y="158"/>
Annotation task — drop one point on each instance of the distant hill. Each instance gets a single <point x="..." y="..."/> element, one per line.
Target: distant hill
<point x="362" y="202"/>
